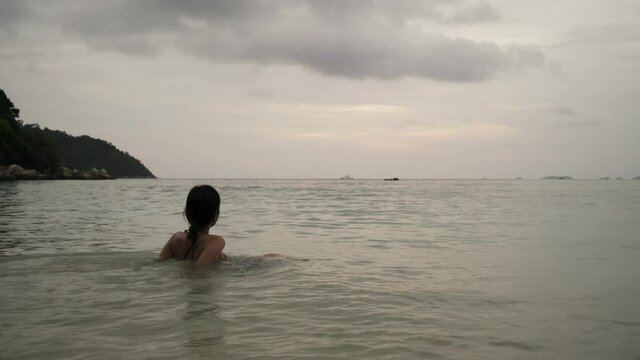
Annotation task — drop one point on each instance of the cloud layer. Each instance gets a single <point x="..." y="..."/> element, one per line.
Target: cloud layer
<point x="357" y="39"/>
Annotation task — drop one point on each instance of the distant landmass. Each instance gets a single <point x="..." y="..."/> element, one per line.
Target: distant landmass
<point x="30" y="152"/>
<point x="554" y="177"/>
<point x="86" y="153"/>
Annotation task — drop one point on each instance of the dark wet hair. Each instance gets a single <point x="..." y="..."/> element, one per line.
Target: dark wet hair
<point x="202" y="209"/>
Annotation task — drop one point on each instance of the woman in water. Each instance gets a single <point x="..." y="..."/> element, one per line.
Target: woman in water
<point x="196" y="244"/>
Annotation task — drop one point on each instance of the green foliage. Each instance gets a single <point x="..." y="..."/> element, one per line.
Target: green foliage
<point x="45" y="150"/>
<point x="7" y="141"/>
<point x="23" y="145"/>
<point x="85" y="152"/>
<point x="8" y="112"/>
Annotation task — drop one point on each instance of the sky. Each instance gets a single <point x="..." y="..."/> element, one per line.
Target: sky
<point x="324" y="88"/>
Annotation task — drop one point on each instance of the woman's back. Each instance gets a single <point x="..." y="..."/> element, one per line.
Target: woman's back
<point x="205" y="249"/>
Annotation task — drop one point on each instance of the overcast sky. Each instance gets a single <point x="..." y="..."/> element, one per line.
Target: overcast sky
<point x="319" y="89"/>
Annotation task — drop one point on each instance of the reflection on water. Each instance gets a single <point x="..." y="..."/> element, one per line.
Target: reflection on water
<point x="201" y="323"/>
<point x="371" y="269"/>
<point x="9" y="208"/>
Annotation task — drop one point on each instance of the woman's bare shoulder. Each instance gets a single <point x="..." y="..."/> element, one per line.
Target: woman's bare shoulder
<point x="212" y="237"/>
<point x="215" y="241"/>
<point x="213" y="250"/>
<point x="180" y="235"/>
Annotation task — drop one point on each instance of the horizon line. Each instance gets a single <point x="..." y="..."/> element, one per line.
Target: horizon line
<point x="382" y="179"/>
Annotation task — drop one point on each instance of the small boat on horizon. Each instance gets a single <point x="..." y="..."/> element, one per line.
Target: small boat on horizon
<point x="346" y="177"/>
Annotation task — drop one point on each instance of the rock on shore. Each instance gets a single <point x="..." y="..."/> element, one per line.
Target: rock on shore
<point x="16" y="172"/>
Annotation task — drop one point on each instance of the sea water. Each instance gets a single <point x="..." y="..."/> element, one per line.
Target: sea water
<point x="442" y="269"/>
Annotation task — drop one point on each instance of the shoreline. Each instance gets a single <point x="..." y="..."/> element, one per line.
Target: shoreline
<point x="16" y="172"/>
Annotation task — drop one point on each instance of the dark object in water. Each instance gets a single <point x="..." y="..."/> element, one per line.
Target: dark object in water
<point x="557" y="178"/>
<point x="393" y="179"/>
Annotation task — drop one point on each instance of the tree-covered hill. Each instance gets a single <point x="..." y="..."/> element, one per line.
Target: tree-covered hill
<point x="45" y="150"/>
<point x="84" y="152"/>
<point x="21" y="144"/>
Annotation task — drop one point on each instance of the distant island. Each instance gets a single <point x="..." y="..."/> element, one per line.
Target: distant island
<point x="28" y="152"/>
<point x="554" y="177"/>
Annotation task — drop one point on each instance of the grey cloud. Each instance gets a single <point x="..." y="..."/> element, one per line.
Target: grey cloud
<point x="12" y="12"/>
<point x="607" y="34"/>
<point x="567" y="117"/>
<point x="354" y="39"/>
<point x="360" y="55"/>
<point x="560" y="110"/>
<point x="394" y="11"/>
<point x="454" y="11"/>
<point x="149" y="15"/>
<point x="526" y="55"/>
<point x="144" y="16"/>
<point x="577" y="123"/>
<point x="476" y="13"/>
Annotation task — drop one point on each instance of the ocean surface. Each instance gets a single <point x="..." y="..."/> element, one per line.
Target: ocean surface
<point x="368" y="269"/>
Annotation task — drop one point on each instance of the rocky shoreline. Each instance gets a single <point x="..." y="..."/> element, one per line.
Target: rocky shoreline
<point x="17" y="172"/>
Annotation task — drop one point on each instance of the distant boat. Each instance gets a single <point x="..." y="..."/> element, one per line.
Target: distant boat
<point x="557" y="178"/>
<point x="346" y="177"/>
<point x="392" y="179"/>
